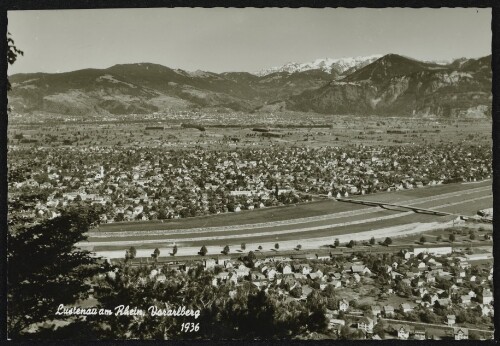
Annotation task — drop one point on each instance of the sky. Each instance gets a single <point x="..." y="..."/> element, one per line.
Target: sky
<point x="222" y="40"/>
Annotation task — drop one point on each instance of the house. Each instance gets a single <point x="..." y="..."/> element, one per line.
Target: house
<point x="407" y="254"/>
<point x="306" y="269"/>
<point x="233" y="278"/>
<point x="406" y="281"/>
<point x="487" y="296"/>
<point x="242" y="271"/>
<point x="366" y="324"/>
<point x="336" y="283"/>
<point x="430" y="278"/>
<point x="444" y="301"/>
<point x="419" y="333"/>
<point x="306" y="291"/>
<point x="222" y="260"/>
<point x="322" y="257"/>
<point x="343" y="305"/>
<point x="271" y="273"/>
<point x="209" y="263"/>
<point x="465" y="299"/>
<point x="461" y="333"/>
<point x="405" y="307"/>
<point x="222" y="276"/>
<point x="299" y="276"/>
<point x="335" y="276"/>
<point x="451" y="320"/>
<point x="256" y="276"/>
<point x="376" y="310"/>
<point x="286" y="269"/>
<point x="388" y="310"/>
<point x="319" y="273"/>
<point x="412" y="273"/>
<point x="360" y="269"/>
<point x="403" y="332"/>
<point x="395" y="275"/>
<point x="486" y="309"/>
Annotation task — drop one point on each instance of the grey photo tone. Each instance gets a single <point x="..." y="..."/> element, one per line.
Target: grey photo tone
<point x="250" y="174"/>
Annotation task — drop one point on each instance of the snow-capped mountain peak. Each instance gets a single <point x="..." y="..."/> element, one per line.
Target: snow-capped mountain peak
<point x="328" y="65"/>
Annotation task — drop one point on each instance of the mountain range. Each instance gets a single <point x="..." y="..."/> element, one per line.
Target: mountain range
<point x="328" y="65"/>
<point x="391" y="85"/>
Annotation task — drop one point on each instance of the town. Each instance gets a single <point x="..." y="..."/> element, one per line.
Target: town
<point x="415" y="293"/>
<point x="153" y="184"/>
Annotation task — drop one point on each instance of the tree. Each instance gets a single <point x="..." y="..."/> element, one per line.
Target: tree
<point x="243" y="246"/>
<point x="345" y="332"/>
<point x="372" y="241"/>
<point x="299" y="247"/>
<point x="296" y="292"/>
<point x="162" y="214"/>
<point x="132" y="252"/>
<point x="452" y="238"/>
<point x="388" y="241"/>
<point x="203" y="250"/>
<point x="225" y="251"/>
<point x="156" y="254"/>
<point x="472" y="236"/>
<point x="474" y="336"/>
<point x="403" y="289"/>
<point x="423" y="239"/>
<point x="174" y="250"/>
<point x="260" y="247"/>
<point x="59" y="275"/>
<point x="12" y="53"/>
<point x="439" y="238"/>
<point x="276" y="246"/>
<point x="251" y="256"/>
<point x="337" y="242"/>
<point x="351" y="244"/>
<point x="379" y="329"/>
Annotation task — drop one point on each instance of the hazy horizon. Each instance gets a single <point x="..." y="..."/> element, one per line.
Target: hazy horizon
<point x="245" y="40"/>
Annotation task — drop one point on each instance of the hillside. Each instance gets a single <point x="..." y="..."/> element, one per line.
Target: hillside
<point x="390" y="85"/>
<point x="398" y="86"/>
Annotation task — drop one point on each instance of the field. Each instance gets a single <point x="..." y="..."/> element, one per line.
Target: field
<point x="224" y="132"/>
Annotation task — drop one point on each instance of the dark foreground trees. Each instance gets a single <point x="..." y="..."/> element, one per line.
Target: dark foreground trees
<point x="247" y="313"/>
<point x="12" y="53"/>
<point x="46" y="269"/>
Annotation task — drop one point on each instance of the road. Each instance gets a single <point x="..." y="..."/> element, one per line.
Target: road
<point x="444" y="326"/>
<point x="356" y="222"/>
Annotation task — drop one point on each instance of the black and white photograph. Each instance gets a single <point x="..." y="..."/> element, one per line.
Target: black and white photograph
<point x="250" y="174"/>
